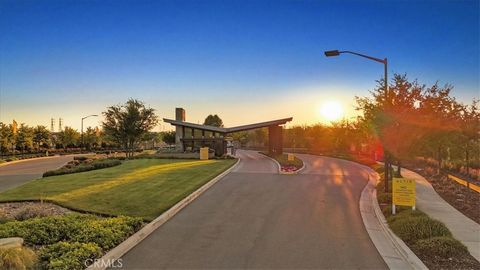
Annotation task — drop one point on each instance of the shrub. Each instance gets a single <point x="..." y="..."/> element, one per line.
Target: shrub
<point x="404" y="212"/>
<point x="4" y="218"/>
<point x="443" y="247"/>
<point x="384" y="198"/>
<point x="117" y="158"/>
<point x="106" y="232"/>
<point x="17" y="258"/>
<point x="40" y="231"/>
<point x="94" y="165"/>
<point x="412" y="228"/>
<point x="31" y="211"/>
<point x="66" y="256"/>
<point x="80" y="158"/>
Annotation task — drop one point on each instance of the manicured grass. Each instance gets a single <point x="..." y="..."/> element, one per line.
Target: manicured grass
<point x="142" y="188"/>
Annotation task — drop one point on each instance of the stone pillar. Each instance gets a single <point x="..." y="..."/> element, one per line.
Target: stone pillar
<point x="179" y="130"/>
<point x="275" y="140"/>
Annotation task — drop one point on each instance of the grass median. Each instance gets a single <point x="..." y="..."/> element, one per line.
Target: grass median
<point x="141" y="188"/>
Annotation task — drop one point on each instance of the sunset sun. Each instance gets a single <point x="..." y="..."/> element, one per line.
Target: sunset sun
<point x="331" y="110"/>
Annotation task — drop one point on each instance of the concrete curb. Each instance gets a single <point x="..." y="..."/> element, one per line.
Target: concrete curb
<point x="120" y="250"/>
<point x="24" y="160"/>
<point x="37" y="158"/>
<point x="395" y="253"/>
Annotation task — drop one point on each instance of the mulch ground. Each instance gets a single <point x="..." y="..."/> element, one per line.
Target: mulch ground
<point x="11" y="210"/>
<point x="465" y="200"/>
<point x="435" y="262"/>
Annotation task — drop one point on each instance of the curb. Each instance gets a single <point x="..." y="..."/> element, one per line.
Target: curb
<point x="37" y="158"/>
<point x="26" y="159"/>
<point x="117" y="252"/>
<point x="395" y="253"/>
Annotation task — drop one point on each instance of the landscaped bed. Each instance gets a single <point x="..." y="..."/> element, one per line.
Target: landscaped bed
<point x="428" y="238"/>
<point x="465" y="200"/>
<point x="70" y="241"/>
<point x="141" y="188"/>
<point x="83" y="164"/>
<point x="134" y="192"/>
<point x="26" y="210"/>
<point x="287" y="166"/>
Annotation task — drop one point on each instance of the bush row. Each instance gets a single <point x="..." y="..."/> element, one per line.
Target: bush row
<point x="105" y="232"/>
<point x="68" y="256"/>
<point x="71" y="239"/>
<point x="94" y="165"/>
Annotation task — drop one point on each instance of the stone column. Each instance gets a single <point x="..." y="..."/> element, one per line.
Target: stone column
<point x="179" y="130"/>
<point x="275" y="140"/>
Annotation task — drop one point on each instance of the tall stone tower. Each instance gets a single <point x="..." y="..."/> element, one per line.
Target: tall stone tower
<point x="179" y="116"/>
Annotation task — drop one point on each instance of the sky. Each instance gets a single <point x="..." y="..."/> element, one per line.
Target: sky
<point x="247" y="61"/>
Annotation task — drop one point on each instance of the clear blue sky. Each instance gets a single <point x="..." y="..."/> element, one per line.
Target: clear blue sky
<point x="245" y="60"/>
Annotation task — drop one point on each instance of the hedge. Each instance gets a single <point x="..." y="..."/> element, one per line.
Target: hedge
<point x="105" y="232"/>
<point x="94" y="165"/>
<point x="66" y="256"/>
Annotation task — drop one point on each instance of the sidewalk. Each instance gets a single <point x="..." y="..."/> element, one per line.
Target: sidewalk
<point x="463" y="229"/>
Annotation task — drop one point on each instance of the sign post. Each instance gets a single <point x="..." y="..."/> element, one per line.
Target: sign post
<point x="403" y="193"/>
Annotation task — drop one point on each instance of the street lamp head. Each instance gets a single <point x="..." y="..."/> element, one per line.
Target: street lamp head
<point x="332" y="53"/>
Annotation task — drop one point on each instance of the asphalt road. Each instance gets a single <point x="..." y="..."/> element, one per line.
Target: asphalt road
<point x="18" y="173"/>
<point x="257" y="218"/>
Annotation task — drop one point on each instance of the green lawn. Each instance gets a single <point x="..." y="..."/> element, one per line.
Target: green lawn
<point x="142" y="188"/>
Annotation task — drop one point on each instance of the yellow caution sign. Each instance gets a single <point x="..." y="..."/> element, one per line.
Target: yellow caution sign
<point x="204" y="153"/>
<point x="403" y="192"/>
<point x="291" y="157"/>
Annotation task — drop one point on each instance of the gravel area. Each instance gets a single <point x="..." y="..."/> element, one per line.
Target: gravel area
<point x="13" y="210"/>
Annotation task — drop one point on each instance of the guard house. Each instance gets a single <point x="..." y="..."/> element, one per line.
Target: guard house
<point x="191" y="136"/>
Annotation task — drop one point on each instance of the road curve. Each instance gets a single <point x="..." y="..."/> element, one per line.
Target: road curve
<point x="256" y="218"/>
<point x="18" y="173"/>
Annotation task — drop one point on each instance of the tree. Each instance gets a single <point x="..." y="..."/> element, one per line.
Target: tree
<point x="24" y="137"/>
<point x="91" y="137"/>
<point x="440" y="118"/>
<point x="69" y="137"/>
<point x="471" y="133"/>
<point x="127" y="124"/>
<point x="259" y="136"/>
<point x="168" y="137"/>
<point x="151" y="139"/>
<point x="213" y="120"/>
<point x="6" y="138"/>
<point x="41" y="136"/>
<point x="393" y="118"/>
<point x="242" y="137"/>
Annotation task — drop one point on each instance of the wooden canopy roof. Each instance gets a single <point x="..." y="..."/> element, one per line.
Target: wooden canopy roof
<point x="231" y="129"/>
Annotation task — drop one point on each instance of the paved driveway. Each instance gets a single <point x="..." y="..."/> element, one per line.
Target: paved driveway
<point x="18" y="173"/>
<point x="256" y="218"/>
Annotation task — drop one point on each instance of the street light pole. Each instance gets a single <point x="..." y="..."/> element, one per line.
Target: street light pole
<point x="385" y="64"/>
<point x="83" y="118"/>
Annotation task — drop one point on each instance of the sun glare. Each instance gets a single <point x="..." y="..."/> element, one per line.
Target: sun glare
<point x="331" y="111"/>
